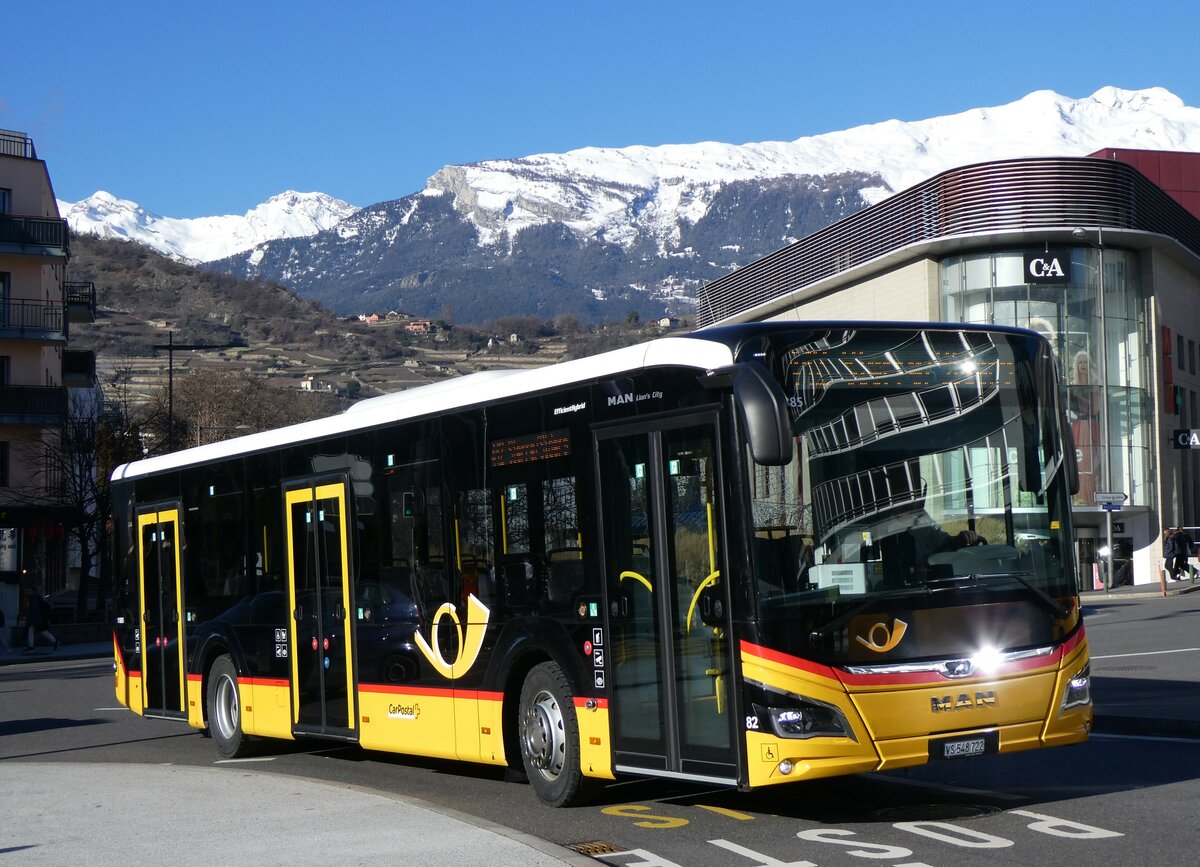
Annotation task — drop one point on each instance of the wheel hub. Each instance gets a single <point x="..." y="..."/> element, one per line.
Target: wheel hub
<point x="545" y="736"/>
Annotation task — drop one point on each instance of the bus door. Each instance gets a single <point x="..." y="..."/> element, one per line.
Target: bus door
<point x="668" y="644"/>
<point x="161" y="625"/>
<point x="319" y="591"/>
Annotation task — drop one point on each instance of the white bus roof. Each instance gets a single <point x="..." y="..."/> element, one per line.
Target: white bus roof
<point x="471" y="390"/>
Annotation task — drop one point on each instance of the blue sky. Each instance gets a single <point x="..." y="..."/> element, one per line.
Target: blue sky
<point x="197" y="108"/>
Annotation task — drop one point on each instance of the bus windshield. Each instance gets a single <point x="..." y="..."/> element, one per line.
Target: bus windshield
<point x="930" y="475"/>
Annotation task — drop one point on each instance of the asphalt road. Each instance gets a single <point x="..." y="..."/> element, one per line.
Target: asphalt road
<point x="1120" y="798"/>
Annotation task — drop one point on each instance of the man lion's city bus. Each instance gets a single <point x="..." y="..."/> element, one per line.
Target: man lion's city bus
<point x="752" y="555"/>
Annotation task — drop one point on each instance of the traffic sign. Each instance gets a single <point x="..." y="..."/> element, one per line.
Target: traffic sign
<point x="1110" y="498"/>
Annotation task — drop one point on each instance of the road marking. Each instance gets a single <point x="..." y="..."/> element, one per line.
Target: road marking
<point x="109" y="708"/>
<point x="242" y="761"/>
<point x="1147" y="653"/>
<point x="733" y="814"/>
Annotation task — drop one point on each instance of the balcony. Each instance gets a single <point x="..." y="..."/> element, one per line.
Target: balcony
<point x="16" y="144"/>
<point x="81" y="300"/>
<point x="33" y="405"/>
<point x="79" y="368"/>
<point x="34" y="236"/>
<point x="33" y="320"/>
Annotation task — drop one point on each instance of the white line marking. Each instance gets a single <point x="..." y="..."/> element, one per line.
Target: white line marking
<point x="1147" y="653"/>
<point x="240" y="761"/>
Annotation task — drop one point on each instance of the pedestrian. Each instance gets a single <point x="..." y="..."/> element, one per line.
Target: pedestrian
<point x="1184" y="549"/>
<point x="1168" y="552"/>
<point x="37" y="617"/>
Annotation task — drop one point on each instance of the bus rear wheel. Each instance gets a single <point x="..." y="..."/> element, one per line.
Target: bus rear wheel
<point x="549" y="734"/>
<point x="225" y="709"/>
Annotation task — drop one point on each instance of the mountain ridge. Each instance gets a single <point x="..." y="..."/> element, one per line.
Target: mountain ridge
<point x="598" y="231"/>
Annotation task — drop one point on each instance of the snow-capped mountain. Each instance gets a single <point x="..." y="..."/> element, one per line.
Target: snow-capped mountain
<point x="202" y="239"/>
<point x="599" y="231"/>
<point x="619" y="193"/>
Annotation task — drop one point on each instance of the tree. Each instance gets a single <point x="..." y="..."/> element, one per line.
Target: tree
<point x="212" y="404"/>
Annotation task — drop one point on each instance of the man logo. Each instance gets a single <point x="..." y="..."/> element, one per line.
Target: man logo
<point x="891" y="637"/>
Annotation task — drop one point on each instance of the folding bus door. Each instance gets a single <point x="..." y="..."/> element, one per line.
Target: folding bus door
<point x="164" y="692"/>
<point x="668" y="651"/>
<point x="322" y="650"/>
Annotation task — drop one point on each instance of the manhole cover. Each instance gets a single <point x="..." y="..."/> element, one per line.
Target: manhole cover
<point x="594" y="847"/>
<point x="933" y="812"/>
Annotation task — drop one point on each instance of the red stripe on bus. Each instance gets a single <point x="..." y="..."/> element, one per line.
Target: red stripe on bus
<point x="1074" y="641"/>
<point x="601" y="703"/>
<point x="788" y="660"/>
<point x="437" y="691"/>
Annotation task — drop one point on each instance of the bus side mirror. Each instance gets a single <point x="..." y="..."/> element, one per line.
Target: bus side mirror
<point x="763" y="409"/>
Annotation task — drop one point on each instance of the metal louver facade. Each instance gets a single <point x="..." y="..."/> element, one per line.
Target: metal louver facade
<point x="1010" y="195"/>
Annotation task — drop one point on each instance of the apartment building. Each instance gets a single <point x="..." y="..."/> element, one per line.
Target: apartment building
<point x="38" y="375"/>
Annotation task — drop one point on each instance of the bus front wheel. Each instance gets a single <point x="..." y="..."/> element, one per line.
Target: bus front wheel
<point x="549" y="735"/>
<point x="225" y="709"/>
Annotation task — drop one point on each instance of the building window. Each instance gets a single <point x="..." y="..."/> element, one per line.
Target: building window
<point x="5" y="200"/>
<point x="5" y="368"/>
<point x="989" y="287"/>
<point x="1191" y="356"/>
<point x="3" y="465"/>
<point x="1181" y="343"/>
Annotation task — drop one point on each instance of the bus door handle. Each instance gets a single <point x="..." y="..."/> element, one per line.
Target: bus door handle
<point x="620" y="605"/>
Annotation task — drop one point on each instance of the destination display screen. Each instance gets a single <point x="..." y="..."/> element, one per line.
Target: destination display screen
<point x="531" y="447"/>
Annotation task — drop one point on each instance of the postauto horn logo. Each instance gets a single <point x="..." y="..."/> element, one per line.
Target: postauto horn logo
<point x="468" y="645"/>
<point x="881" y="639"/>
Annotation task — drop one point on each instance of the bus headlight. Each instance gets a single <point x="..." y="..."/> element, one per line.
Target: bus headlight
<point x="1079" y="689"/>
<point x="806" y="718"/>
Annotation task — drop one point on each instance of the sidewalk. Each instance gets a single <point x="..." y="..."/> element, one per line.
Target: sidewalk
<point x="18" y="655"/>
<point x="79" y="813"/>
<point x="1150" y="590"/>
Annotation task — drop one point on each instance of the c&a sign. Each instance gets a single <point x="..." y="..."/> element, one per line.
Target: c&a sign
<point x="1048" y="265"/>
<point x="1186" y="439"/>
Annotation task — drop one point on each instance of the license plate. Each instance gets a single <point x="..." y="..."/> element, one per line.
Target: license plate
<point x="964" y="747"/>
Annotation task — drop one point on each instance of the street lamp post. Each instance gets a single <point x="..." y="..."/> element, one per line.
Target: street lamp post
<point x="171" y="346"/>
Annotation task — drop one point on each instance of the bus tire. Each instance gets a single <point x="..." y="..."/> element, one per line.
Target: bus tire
<point x="548" y="732"/>
<point x="225" y="709"/>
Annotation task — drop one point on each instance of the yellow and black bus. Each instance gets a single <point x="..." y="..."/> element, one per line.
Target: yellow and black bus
<point x="752" y="555"/>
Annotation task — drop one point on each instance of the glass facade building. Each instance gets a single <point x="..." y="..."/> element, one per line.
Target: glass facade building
<point x="974" y="245"/>
<point x="991" y="288"/>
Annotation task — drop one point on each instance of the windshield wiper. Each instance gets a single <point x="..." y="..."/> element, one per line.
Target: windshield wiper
<point x="982" y="579"/>
<point x="872" y="599"/>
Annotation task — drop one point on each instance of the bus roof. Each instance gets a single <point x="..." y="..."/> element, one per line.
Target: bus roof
<point x="461" y="392"/>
